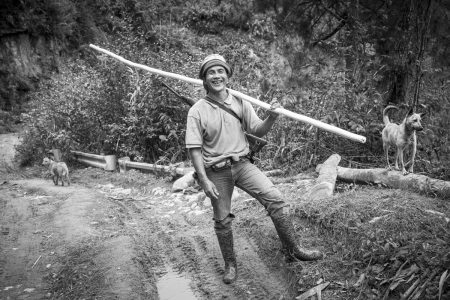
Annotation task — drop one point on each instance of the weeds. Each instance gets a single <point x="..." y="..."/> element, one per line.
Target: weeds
<point x="79" y="276"/>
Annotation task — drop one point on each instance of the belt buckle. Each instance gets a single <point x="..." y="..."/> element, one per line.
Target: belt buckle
<point x="221" y="165"/>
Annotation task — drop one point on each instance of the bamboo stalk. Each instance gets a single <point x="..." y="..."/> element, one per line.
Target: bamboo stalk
<point x="282" y="111"/>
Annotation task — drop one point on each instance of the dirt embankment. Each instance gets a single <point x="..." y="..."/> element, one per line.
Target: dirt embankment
<point x="127" y="236"/>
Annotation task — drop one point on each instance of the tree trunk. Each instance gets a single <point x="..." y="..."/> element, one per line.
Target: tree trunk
<point x="326" y="181"/>
<point x="395" y="179"/>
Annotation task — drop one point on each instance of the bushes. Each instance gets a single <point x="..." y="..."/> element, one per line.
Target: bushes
<point x="109" y="110"/>
<point x="212" y="19"/>
<point x="63" y="113"/>
<point x="107" y="107"/>
<point x="8" y="120"/>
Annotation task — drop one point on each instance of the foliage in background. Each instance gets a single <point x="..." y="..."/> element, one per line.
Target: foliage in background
<point x="210" y="18"/>
<point x="102" y="110"/>
<point x="8" y="122"/>
<point x="329" y="60"/>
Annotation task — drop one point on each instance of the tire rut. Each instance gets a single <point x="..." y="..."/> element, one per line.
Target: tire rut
<point x="189" y="245"/>
<point x="200" y="256"/>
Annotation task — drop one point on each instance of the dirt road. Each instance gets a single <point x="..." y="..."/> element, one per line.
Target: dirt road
<point x="98" y="240"/>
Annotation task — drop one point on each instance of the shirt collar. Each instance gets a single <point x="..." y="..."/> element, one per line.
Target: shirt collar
<point x="227" y="101"/>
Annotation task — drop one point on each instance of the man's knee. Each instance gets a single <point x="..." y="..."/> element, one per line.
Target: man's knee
<point x="278" y="210"/>
<point x="273" y="201"/>
<point x="224" y="224"/>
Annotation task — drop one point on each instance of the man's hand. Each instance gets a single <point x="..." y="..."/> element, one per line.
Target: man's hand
<point x="273" y="105"/>
<point x="207" y="185"/>
<point x="268" y="122"/>
<point x="210" y="189"/>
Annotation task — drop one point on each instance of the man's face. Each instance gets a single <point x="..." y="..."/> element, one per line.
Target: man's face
<point x="216" y="78"/>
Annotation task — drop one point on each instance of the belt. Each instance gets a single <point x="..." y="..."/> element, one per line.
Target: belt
<point x="227" y="162"/>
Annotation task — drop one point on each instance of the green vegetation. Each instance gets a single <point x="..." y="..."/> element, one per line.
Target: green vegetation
<point x="335" y="61"/>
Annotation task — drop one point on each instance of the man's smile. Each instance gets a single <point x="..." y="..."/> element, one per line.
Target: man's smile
<point x="217" y="82"/>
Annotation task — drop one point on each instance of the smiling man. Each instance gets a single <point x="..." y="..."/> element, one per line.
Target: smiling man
<point x="215" y="138"/>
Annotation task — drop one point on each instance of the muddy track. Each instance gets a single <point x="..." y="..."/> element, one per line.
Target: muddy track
<point x="86" y="241"/>
<point x="189" y="245"/>
<point x="121" y="247"/>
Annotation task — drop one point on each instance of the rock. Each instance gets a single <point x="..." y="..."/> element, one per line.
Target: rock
<point x="235" y="195"/>
<point x="158" y="191"/>
<point x="184" y="182"/>
<point x="191" y="198"/>
<point x="206" y="202"/>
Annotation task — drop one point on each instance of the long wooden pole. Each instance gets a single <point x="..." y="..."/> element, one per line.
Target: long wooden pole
<point x="285" y="112"/>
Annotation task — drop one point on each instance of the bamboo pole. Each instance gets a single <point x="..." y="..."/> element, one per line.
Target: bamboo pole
<point x="282" y="111"/>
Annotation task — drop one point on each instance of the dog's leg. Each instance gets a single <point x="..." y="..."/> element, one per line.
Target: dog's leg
<point x="55" y="179"/>
<point x="397" y="157"/>
<point x="386" y="153"/>
<point x="414" y="149"/>
<point x="400" y="156"/>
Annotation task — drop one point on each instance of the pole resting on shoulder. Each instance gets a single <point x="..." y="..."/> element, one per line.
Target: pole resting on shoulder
<point x="327" y="127"/>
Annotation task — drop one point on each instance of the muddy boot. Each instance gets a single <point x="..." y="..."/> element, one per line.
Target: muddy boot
<point x="226" y="246"/>
<point x="286" y="232"/>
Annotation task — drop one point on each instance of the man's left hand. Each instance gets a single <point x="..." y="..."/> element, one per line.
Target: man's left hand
<point x="273" y="105"/>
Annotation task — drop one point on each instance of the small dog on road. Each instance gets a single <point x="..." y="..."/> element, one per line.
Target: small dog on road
<point x="57" y="170"/>
<point x="400" y="136"/>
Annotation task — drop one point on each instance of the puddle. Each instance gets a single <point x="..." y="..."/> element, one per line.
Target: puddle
<point x="173" y="286"/>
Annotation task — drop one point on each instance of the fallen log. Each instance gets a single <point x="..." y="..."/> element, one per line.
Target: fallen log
<point x="326" y="181"/>
<point x="395" y="179"/>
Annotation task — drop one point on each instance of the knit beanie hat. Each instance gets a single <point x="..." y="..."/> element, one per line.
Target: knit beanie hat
<point x="214" y="60"/>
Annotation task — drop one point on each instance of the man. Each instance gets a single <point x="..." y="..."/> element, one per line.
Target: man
<point x="218" y="148"/>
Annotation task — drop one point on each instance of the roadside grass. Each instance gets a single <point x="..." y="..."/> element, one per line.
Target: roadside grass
<point x="380" y="243"/>
<point x="393" y="242"/>
<point x="78" y="276"/>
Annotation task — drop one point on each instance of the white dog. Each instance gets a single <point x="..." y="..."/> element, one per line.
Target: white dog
<point x="58" y="170"/>
<point x="401" y="136"/>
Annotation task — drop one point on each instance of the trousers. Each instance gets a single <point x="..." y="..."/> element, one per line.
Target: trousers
<point x="250" y="179"/>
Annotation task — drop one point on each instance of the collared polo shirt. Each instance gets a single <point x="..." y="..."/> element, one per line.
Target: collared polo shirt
<point x="219" y="134"/>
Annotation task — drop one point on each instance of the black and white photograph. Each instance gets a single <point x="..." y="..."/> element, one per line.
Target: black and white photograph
<point x="225" y="149"/>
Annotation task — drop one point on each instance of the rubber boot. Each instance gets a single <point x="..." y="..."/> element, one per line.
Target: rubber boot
<point x="225" y="239"/>
<point x="286" y="232"/>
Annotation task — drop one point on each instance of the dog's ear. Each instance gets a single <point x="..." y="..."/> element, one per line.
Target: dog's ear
<point x="422" y="114"/>
<point x="403" y="105"/>
<point x="410" y="111"/>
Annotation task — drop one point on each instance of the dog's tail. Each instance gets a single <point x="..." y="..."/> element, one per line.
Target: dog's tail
<point x="385" y="116"/>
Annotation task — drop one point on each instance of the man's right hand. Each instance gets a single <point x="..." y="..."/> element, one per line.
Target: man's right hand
<point x="207" y="185"/>
<point x="210" y="189"/>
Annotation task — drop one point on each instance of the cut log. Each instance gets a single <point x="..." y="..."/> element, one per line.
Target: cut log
<point x="395" y="179"/>
<point x="326" y="181"/>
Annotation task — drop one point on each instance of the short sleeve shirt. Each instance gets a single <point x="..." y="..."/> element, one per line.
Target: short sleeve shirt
<point x="218" y="133"/>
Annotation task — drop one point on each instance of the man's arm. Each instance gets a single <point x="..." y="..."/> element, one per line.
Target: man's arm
<point x="267" y="124"/>
<point x="208" y="186"/>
